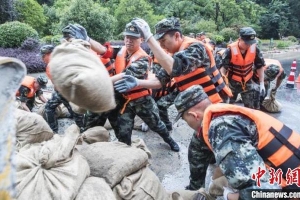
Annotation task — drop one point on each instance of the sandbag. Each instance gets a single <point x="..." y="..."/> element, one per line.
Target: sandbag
<point x="31" y="128"/>
<point x="216" y="187"/>
<point x="77" y="109"/>
<point x="80" y="76"/>
<point x="113" y="160"/>
<point x="270" y="104"/>
<point x="137" y="124"/>
<point x="61" y="111"/>
<point x="95" y="134"/>
<point x="143" y="184"/>
<point x="53" y="170"/>
<point x="200" y="194"/>
<point x="94" y="188"/>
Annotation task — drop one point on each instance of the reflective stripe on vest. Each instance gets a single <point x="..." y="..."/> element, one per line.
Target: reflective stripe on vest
<point x="278" y="145"/>
<point x="165" y="90"/>
<point x="210" y="79"/>
<point x="28" y="82"/>
<point x="241" y="69"/>
<point x="120" y="66"/>
<point x="108" y="65"/>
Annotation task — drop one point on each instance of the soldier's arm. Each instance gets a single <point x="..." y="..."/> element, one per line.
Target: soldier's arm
<point x="225" y="61"/>
<point x="259" y="62"/>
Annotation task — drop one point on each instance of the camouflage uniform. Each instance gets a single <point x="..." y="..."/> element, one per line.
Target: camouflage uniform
<point x="234" y="139"/>
<point x="23" y="90"/>
<point x="50" y="107"/>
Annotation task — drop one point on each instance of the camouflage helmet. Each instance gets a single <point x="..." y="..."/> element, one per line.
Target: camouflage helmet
<point x="46" y="49"/>
<point x="42" y="80"/>
<point x="248" y="35"/>
<point x="271" y="72"/>
<point x="132" y="30"/>
<point x="166" y="25"/>
<point x="189" y="98"/>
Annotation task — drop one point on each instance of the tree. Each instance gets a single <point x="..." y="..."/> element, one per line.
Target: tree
<point x="7" y="12"/>
<point x="98" y="22"/>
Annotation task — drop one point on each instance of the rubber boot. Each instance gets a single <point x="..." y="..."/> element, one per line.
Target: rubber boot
<point x="174" y="146"/>
<point x="12" y="72"/>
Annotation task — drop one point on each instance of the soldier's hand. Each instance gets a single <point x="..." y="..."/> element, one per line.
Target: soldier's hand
<point x="126" y="83"/>
<point x="143" y="27"/>
<point x="67" y="33"/>
<point x="262" y="91"/>
<point x="76" y="31"/>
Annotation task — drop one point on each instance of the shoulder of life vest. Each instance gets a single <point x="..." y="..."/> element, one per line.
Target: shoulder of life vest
<point x="28" y="82"/>
<point x="277" y="144"/>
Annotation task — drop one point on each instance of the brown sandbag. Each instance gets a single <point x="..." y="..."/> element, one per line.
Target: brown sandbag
<point x="31" y="128"/>
<point x="95" y="134"/>
<point x="137" y="124"/>
<point x="216" y="187"/>
<point x="77" y="109"/>
<point x="270" y="104"/>
<point x="113" y="160"/>
<point x="143" y="184"/>
<point x="61" y="111"/>
<point x="53" y="170"/>
<point x="200" y="194"/>
<point x="94" y="188"/>
<point x="79" y="75"/>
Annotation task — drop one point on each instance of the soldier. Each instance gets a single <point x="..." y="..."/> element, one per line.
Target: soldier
<point x="243" y="141"/>
<point x="237" y="64"/>
<point x="56" y="98"/>
<point x="133" y="60"/>
<point x="31" y="88"/>
<point x="191" y="63"/>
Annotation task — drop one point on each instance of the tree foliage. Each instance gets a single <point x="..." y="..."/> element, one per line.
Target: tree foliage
<point x="7" y="11"/>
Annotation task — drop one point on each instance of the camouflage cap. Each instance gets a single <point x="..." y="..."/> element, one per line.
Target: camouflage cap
<point x="166" y="25"/>
<point x="45" y="49"/>
<point x="248" y="35"/>
<point x="189" y="98"/>
<point x="271" y="72"/>
<point x="132" y="30"/>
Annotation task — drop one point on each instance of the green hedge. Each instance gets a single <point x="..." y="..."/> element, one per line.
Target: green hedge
<point x="13" y="34"/>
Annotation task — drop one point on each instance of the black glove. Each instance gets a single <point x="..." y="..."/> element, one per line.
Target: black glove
<point x="126" y="83"/>
<point x="75" y="31"/>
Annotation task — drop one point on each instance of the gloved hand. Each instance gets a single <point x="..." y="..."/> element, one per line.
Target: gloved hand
<point x="227" y="190"/>
<point x="145" y="127"/>
<point x="76" y="31"/>
<point x="126" y="83"/>
<point x="143" y="27"/>
<point x="272" y="94"/>
<point x="262" y="91"/>
<point x="67" y="32"/>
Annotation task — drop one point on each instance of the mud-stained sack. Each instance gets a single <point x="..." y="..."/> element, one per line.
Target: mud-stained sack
<point x="61" y="111"/>
<point x="270" y="104"/>
<point x="51" y="170"/>
<point x="31" y="128"/>
<point x="143" y="184"/>
<point x="113" y="160"/>
<point x="216" y="188"/>
<point x="77" y="109"/>
<point x="80" y="76"/>
<point x="95" y="134"/>
<point x="94" y="188"/>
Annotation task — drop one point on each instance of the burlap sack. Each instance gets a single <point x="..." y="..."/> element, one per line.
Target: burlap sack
<point x="77" y="109"/>
<point x="137" y="124"/>
<point x="31" y="128"/>
<point x="113" y="160"/>
<point x="200" y="194"/>
<point x="94" y="188"/>
<point x="216" y="187"/>
<point x="61" y="111"/>
<point x="143" y="184"/>
<point x="53" y="170"/>
<point x="270" y="104"/>
<point x="95" y="134"/>
<point x="80" y="76"/>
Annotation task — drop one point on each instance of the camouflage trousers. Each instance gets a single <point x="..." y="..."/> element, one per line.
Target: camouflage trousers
<point x="98" y="119"/>
<point x="30" y="102"/>
<point x="52" y="104"/>
<point x="163" y="104"/>
<point x="199" y="157"/>
<point x="147" y="110"/>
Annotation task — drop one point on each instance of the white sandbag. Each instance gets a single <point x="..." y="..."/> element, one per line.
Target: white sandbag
<point x="52" y="170"/>
<point x="143" y="184"/>
<point x="31" y="128"/>
<point x="94" y="188"/>
<point x="113" y="160"/>
<point x="95" y="134"/>
<point x="80" y="76"/>
<point x="77" y="109"/>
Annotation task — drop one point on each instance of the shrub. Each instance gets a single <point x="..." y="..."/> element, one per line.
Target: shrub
<point x="54" y="40"/>
<point x="283" y="44"/>
<point x="12" y="34"/>
<point x="229" y="33"/>
<point x="218" y="38"/>
<point x="30" y="44"/>
<point x="292" y="38"/>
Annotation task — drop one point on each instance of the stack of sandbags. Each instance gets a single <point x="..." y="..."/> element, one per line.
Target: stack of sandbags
<point x="61" y="111"/>
<point x="31" y="128"/>
<point x="52" y="170"/>
<point x="80" y="76"/>
<point x="113" y="160"/>
<point x="95" y="134"/>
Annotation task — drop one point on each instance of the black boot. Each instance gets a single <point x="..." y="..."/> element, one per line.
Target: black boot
<point x="174" y="146"/>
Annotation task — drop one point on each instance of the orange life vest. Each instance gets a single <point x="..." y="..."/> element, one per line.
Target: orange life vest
<point x="28" y="82"/>
<point x="278" y="145"/>
<point x="210" y="79"/>
<point x="241" y="69"/>
<point x="108" y="65"/>
<point x="120" y="66"/>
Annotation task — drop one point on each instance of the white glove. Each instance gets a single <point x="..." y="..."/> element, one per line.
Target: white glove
<point x="145" y="127"/>
<point x="143" y="27"/>
<point x="262" y="91"/>
<point x="227" y="190"/>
